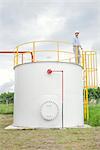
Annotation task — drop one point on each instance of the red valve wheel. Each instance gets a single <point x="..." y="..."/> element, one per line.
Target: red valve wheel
<point x="49" y="71"/>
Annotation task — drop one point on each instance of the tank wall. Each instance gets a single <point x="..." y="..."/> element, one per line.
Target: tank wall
<point x="73" y="97"/>
<point x="34" y="87"/>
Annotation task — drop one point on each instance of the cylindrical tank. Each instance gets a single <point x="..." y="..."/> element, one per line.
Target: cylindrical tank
<point x="48" y="99"/>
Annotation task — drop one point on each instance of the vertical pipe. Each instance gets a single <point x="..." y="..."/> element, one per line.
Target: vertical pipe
<point x="85" y="103"/>
<point x="86" y="110"/>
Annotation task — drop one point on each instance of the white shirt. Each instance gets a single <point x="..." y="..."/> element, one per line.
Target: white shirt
<point x="76" y="41"/>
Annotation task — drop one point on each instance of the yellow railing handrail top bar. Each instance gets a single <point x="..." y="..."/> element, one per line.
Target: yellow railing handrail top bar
<point x="89" y="51"/>
<point x="60" y="51"/>
<point x="44" y="41"/>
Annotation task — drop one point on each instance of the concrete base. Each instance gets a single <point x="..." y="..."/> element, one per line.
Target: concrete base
<point x="10" y="127"/>
<point x="87" y="126"/>
<point x="17" y="128"/>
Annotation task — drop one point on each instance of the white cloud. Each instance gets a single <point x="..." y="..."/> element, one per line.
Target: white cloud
<point x="7" y="87"/>
<point x="6" y="75"/>
<point x="49" y="23"/>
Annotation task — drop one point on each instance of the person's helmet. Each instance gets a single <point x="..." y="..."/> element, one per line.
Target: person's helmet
<point x="77" y="32"/>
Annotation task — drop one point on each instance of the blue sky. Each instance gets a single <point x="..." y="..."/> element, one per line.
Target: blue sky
<point x="28" y="20"/>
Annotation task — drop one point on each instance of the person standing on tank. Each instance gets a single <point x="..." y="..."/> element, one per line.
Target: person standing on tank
<point x="76" y="47"/>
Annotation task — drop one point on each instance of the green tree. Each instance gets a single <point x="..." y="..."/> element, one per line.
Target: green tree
<point x="4" y="97"/>
<point x="94" y="93"/>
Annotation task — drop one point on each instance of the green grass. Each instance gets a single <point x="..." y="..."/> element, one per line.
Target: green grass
<point x="6" y="109"/>
<point x="49" y="139"/>
<point x="94" y="115"/>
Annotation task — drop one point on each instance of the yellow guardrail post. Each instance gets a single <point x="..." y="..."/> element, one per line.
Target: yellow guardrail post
<point x="14" y="62"/>
<point x="16" y="56"/>
<point x="76" y="54"/>
<point x="96" y="70"/>
<point x="33" y="52"/>
<point x="58" y="51"/>
<point x="82" y="60"/>
<point x="22" y="58"/>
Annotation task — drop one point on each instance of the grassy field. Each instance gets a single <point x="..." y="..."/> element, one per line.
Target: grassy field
<point x="6" y="109"/>
<point x="49" y="139"/>
<point x="94" y="115"/>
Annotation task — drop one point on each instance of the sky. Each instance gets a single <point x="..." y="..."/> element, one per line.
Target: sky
<point x="28" y="20"/>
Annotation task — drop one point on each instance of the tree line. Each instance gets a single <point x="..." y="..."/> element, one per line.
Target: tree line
<point x="7" y="97"/>
<point x="94" y="94"/>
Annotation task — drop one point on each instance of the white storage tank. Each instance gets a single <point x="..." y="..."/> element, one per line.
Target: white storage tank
<point x="48" y="95"/>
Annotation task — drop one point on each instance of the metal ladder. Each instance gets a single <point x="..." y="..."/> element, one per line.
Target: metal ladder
<point x="89" y="64"/>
